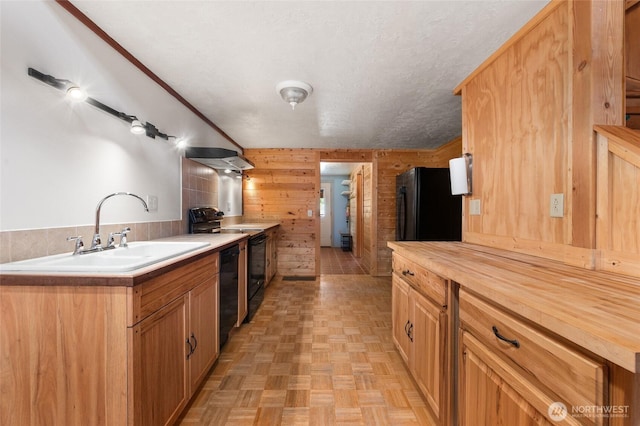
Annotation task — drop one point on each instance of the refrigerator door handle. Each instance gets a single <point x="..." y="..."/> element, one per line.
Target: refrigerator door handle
<point x="402" y="214"/>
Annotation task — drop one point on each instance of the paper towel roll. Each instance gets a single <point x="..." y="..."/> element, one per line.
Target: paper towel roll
<point x="459" y="178"/>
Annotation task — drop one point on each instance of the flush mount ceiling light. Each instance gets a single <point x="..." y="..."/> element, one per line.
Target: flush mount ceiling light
<point x="76" y="93"/>
<point x="294" y="92"/>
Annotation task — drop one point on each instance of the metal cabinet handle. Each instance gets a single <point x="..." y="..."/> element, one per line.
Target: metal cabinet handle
<point x="407" y="272"/>
<point x="411" y="332"/>
<point x="188" y="341"/>
<point x="514" y="342"/>
<point x="195" y="341"/>
<point x="406" y="328"/>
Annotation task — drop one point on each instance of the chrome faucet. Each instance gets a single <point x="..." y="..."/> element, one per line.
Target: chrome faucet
<point x="96" y="243"/>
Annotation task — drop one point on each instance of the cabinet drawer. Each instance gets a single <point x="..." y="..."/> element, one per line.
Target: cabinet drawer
<point x="152" y="295"/>
<point x="420" y="278"/>
<point x="575" y="378"/>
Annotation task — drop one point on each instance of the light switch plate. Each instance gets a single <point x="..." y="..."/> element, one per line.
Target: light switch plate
<point x="152" y="203"/>
<point x="474" y="207"/>
<point x="556" y="205"/>
<point x="310" y="213"/>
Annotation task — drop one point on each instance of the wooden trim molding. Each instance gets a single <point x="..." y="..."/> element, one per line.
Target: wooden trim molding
<point x="569" y="255"/>
<point x="623" y="142"/>
<point x="76" y="13"/>
<point x="616" y="254"/>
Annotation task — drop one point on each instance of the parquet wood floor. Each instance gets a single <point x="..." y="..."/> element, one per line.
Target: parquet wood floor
<point x="316" y="353"/>
<point x="334" y="260"/>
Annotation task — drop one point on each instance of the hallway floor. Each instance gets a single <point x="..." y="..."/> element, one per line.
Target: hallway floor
<point x="316" y="353"/>
<point x="333" y="260"/>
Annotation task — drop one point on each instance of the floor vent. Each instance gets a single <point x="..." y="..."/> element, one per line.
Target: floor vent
<point x="298" y="278"/>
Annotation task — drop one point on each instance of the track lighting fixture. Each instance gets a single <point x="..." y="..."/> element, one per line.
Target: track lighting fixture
<point x="76" y="93"/>
<point x="137" y="128"/>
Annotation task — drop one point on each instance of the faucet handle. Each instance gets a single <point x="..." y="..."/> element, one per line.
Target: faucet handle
<point x="79" y="246"/>
<point x="96" y="243"/>
<point x="111" y="240"/>
<point x="123" y="236"/>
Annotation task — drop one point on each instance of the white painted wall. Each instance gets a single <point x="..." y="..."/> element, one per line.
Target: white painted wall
<point x="57" y="159"/>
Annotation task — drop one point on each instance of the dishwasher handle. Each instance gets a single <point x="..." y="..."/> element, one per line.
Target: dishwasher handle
<point x="230" y="252"/>
<point x="258" y="240"/>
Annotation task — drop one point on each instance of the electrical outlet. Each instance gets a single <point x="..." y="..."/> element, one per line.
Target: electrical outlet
<point x="310" y="213"/>
<point x="556" y="205"/>
<point x="152" y="203"/>
<point x="474" y="207"/>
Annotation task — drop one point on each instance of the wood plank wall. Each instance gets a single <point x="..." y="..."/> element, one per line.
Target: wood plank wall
<point x="285" y="184"/>
<point x="528" y="117"/>
<point x="387" y="165"/>
<point x="282" y="188"/>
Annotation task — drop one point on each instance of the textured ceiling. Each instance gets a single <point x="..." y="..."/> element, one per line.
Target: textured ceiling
<point x="382" y="72"/>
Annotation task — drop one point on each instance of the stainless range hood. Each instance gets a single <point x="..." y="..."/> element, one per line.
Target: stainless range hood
<point x="218" y="158"/>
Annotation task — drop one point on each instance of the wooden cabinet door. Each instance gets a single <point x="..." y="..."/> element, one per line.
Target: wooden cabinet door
<point x="400" y="316"/>
<point x="242" y="283"/>
<point x="491" y="392"/>
<point x="159" y="381"/>
<point x="426" y="359"/>
<point x="203" y="330"/>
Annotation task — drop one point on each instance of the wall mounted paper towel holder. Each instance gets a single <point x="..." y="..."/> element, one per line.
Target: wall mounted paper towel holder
<point x="461" y="172"/>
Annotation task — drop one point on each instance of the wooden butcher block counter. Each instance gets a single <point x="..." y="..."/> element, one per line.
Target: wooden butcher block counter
<point x="536" y="328"/>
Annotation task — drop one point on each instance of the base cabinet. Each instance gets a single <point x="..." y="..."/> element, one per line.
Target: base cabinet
<point x="512" y="372"/>
<point x="427" y="360"/>
<point x="271" y="267"/>
<point x="476" y="329"/>
<point x="173" y="350"/>
<point x="107" y="354"/>
<point x="160" y="385"/>
<point x="202" y="342"/>
<point x="488" y="394"/>
<point x="419" y="333"/>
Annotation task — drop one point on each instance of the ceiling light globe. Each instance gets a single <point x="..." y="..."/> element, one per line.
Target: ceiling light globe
<point x="294" y="92"/>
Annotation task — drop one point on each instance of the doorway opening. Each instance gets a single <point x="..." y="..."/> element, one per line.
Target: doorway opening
<point x="341" y="218"/>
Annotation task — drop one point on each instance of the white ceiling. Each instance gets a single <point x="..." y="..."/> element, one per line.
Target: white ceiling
<point x="336" y="169"/>
<point x="382" y="72"/>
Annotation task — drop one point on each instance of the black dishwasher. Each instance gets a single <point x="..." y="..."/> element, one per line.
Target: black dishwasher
<point x="228" y="312"/>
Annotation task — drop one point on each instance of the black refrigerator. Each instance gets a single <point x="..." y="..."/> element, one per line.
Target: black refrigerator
<point x="426" y="210"/>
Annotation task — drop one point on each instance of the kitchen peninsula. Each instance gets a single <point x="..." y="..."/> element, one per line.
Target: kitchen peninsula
<point x="518" y="323"/>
